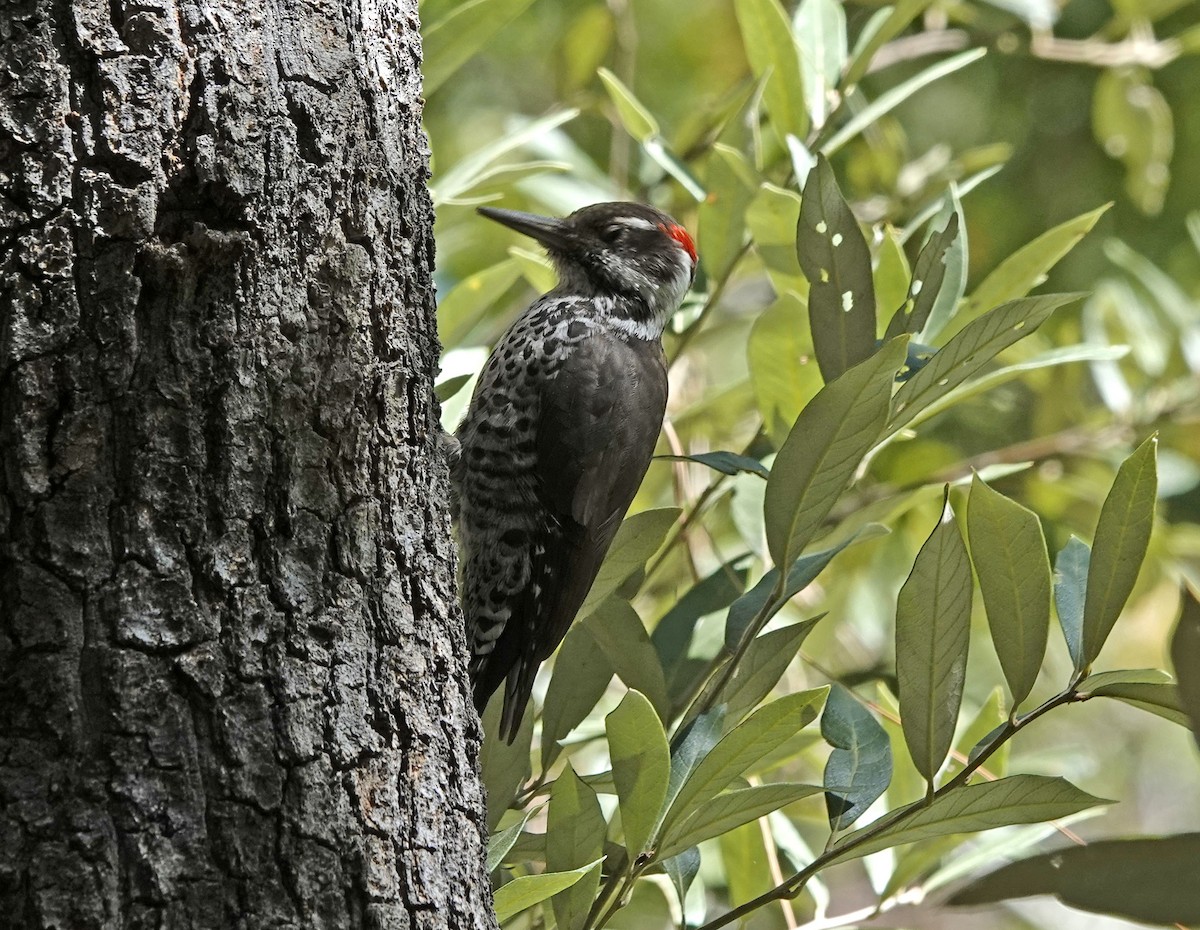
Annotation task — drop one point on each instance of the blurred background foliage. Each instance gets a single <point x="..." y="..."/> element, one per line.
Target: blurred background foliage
<point x="1025" y="116"/>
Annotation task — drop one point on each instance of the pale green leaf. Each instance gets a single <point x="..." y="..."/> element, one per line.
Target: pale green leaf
<point x="581" y="675"/>
<point x="468" y="300"/>
<point x="731" y="187"/>
<point x="452" y="40"/>
<point x="934" y="307"/>
<point x="617" y="631"/>
<point x="763" y="665"/>
<point x="783" y="370"/>
<point x="575" y="829"/>
<point x="641" y="766"/>
<point x="504" y="767"/>
<point x="729" y="811"/>
<point x="773" y="56"/>
<point x="884" y="26"/>
<point x="820" y="29"/>
<point x="500" y="842"/>
<point x="637" y="120"/>
<point x="639" y="537"/>
<point x="528" y="890"/>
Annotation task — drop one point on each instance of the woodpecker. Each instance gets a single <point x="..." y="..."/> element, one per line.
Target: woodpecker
<point x="559" y="434"/>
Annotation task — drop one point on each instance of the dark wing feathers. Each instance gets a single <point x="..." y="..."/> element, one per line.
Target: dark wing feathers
<point x="600" y="419"/>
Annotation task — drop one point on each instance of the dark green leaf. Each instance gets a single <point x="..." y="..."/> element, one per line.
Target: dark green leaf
<point x="1070" y="586"/>
<point x="837" y="263"/>
<point x="528" y="890"/>
<point x="727" y="463"/>
<point x="575" y="830"/>
<point x="762" y="666"/>
<point x="682" y="869"/>
<point x="741" y="747"/>
<point x="1185" y="656"/>
<point x="860" y="766"/>
<point x="971" y="808"/>
<point x="690" y="746"/>
<point x="824" y="449"/>
<point x="1009" y="553"/>
<point x="451" y="386"/>
<point x="641" y="766"/>
<point x="1150" y="880"/>
<point x="730" y="810"/>
<point x="933" y="629"/>
<point x="979" y="342"/>
<point x="505" y="768"/>
<point x="639" y="537"/>
<point x="1120" y="545"/>
<point x="927" y="278"/>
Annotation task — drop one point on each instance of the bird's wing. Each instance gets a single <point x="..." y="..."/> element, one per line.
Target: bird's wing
<point x="600" y="419"/>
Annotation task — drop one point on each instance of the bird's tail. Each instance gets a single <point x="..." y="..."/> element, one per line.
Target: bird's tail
<point x="517" y="690"/>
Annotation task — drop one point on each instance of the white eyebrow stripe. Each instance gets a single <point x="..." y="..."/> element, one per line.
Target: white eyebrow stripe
<point x="636" y="222"/>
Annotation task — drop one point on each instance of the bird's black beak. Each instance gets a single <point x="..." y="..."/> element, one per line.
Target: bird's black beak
<point x="550" y="232"/>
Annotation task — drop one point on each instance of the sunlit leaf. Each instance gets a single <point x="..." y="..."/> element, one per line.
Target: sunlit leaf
<point x="1008" y="550"/>
<point x="783" y="370"/>
<point x="937" y="255"/>
<point x="641" y="765"/>
<point x="730" y="810"/>
<point x="1149" y="880"/>
<point x="935" y="307"/>
<point x="528" y="890"/>
<point x="892" y="276"/>
<point x="500" y="842"/>
<point x="467" y="301"/>
<point x="771" y="218"/>
<point x="834" y="257"/>
<point x="1185" y="657"/>
<point x="933" y="628"/>
<point x="860" y="766"/>
<point x="581" y="675"/>
<point x="639" y="537"/>
<point x="773" y="56"/>
<point x="731" y="186"/>
<point x="637" y="120"/>
<point x="1120" y="545"/>
<point x="575" y="829"/>
<point x="820" y="28"/>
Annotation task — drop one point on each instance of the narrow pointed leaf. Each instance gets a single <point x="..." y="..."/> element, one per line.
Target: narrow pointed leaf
<point x="773" y="57"/>
<point x="467" y="301"/>
<point x="528" y="890"/>
<point x="933" y="628"/>
<point x="1148" y="689"/>
<point x="641" y="765"/>
<point x="691" y="746"/>
<point x="575" y="829"/>
<point x="731" y="184"/>
<point x="824" y="448"/>
<point x="504" y="768"/>
<point x="682" y="869"/>
<point x="972" y="808"/>
<point x="1026" y="268"/>
<point x="889" y="100"/>
<point x="672" y="636"/>
<point x="744" y="745"/>
<point x="1070" y="587"/>
<point x="1008" y="550"/>
<point x="837" y="263"/>
<point x="860" y="767"/>
<point x="820" y="28"/>
<point x="968" y="352"/>
<point x="893" y="21"/>
<point x="1185" y="657"/>
<point x="1120" y="545"/>
<point x="940" y="306"/>
<point x="637" y="120"/>
<point x="1150" y="880"/>
<point x="929" y="273"/>
<point x="617" y="631"/>
<point x="729" y="811"/>
<point x="639" y="537"/>
<point x="990" y="717"/>
<point x="893" y="278"/>
<point x="763" y="665"/>
<point x="501" y="842"/>
<point x="727" y="463"/>
<point x="581" y="675"/>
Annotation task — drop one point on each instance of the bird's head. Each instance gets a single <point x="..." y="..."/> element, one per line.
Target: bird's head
<point x="622" y="250"/>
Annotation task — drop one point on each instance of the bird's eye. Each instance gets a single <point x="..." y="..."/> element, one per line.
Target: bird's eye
<point x="612" y="234"/>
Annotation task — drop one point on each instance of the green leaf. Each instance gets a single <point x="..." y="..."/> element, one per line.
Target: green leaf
<point x="528" y="890"/>
<point x="820" y="29"/>
<point x="1185" y="657"/>
<point x="1070" y="586"/>
<point x="771" y="218"/>
<point x="884" y="26"/>
<point x="453" y="39"/>
<point x="741" y="747"/>
<point x="639" y="537"/>
<point x="731" y="185"/>
<point x="468" y="300"/>
<point x="938" y="254"/>
<point x="892" y="275"/>
<point x="991" y="716"/>
<point x="824" y="449"/>
<point x="979" y="342"/>
<point x="889" y="100"/>
<point x="682" y="869"/>
<point x="1026" y="268"/>
<point x="834" y="257"/>
<point x="641" y="765"/>
<point x="970" y="809"/>
<point x="617" y="631"/>
<point x="936" y="309"/>
<point x="1148" y="689"/>
<point x="501" y="842"/>
<point x="783" y="372"/>
<point x="860" y="767"/>
<point x="763" y="665"/>
<point x="1149" y="880"/>
<point x="773" y="57"/>
<point x="933" y="629"/>
<point x="504" y="768"/>
<point x="1008" y="550"/>
<point x="575" y="829"/>
<point x="451" y="386"/>
<point x="581" y="676"/>
<point x="727" y="463"/>
<point x="1120" y="545"/>
<point x="730" y="810"/>
<point x="535" y="268"/>
<point x="637" y="120"/>
<point x="690" y="746"/>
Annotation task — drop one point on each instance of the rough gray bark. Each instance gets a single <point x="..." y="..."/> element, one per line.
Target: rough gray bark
<point x="231" y="692"/>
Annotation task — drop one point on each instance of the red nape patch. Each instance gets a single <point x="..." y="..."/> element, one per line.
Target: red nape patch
<point x="680" y="235"/>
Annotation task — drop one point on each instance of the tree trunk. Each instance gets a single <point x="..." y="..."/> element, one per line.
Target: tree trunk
<point x="231" y="684"/>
